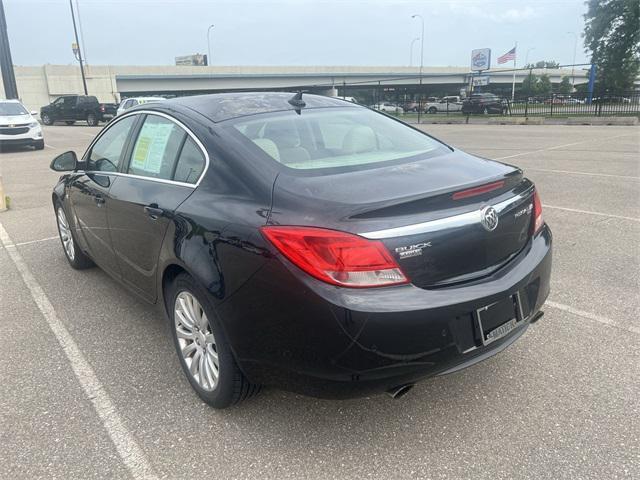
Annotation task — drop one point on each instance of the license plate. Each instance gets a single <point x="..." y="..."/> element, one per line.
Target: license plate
<point x="498" y="319"/>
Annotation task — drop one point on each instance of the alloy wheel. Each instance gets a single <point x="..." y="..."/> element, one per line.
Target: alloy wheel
<point x="65" y="234"/>
<point x="196" y="340"/>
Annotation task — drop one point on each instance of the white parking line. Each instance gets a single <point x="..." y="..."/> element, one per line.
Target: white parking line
<point x="556" y="147"/>
<point x="571" y="172"/>
<point x="127" y="447"/>
<point x="592" y="316"/>
<point x="19" y="244"/>
<point x="36" y="241"/>
<point x="600" y="214"/>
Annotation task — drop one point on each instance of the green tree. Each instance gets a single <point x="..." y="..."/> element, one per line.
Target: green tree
<point x="565" y="85"/>
<point x="612" y="35"/>
<point x="543" y="85"/>
<point x="529" y="84"/>
<point x="543" y="64"/>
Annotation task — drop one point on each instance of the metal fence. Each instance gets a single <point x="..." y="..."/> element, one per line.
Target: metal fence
<point x="604" y="104"/>
<point x="414" y="106"/>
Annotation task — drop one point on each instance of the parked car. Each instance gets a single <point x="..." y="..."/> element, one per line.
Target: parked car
<point x="387" y="107"/>
<point x="411" y="106"/>
<point x="445" y="104"/>
<point x="18" y="126"/>
<point x="483" y="103"/>
<point x="73" y="108"/>
<point x="306" y="243"/>
<point x="128" y="103"/>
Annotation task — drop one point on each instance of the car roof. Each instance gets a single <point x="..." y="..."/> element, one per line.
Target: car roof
<point x="10" y="100"/>
<point x="219" y="107"/>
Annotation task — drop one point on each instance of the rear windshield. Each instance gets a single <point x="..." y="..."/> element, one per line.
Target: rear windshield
<point x="11" y="108"/>
<point x="334" y="137"/>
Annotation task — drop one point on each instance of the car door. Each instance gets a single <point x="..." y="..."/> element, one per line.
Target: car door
<point x="68" y="108"/>
<point x="164" y="163"/>
<point x="89" y="192"/>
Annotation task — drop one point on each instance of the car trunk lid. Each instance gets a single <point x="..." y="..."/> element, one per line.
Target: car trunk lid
<point x="446" y="219"/>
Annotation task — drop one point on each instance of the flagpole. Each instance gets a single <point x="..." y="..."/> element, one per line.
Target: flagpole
<point x="513" y="85"/>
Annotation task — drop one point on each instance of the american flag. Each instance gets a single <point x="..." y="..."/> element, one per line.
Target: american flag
<point x="510" y="55"/>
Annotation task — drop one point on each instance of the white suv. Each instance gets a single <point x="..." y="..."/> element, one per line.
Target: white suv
<point x="19" y="127"/>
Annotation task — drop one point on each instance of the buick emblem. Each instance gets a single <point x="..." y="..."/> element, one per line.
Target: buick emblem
<point x="489" y="218"/>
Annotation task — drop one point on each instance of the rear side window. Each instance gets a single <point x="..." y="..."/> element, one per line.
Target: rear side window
<point x="191" y="163"/>
<point x="156" y="149"/>
<point x="107" y="151"/>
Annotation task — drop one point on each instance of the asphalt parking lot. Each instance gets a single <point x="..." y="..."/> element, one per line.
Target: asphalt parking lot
<point x="563" y="402"/>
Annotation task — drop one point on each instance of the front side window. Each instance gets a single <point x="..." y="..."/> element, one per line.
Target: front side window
<point x="156" y="148"/>
<point x="106" y="153"/>
<point x="334" y="137"/>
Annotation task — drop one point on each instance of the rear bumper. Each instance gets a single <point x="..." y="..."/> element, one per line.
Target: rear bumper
<point x="291" y="331"/>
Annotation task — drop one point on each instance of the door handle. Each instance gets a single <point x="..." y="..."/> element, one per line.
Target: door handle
<point x="153" y="211"/>
<point x="99" y="200"/>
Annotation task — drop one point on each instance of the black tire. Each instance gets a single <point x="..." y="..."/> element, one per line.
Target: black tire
<point x="39" y="145"/>
<point x="432" y="110"/>
<point x="232" y="386"/>
<point x="70" y="122"/>
<point x="79" y="260"/>
<point x="47" y="119"/>
<point x="92" y="120"/>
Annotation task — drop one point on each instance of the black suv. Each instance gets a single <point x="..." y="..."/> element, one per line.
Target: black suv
<point x="484" y="103"/>
<point x="72" y="108"/>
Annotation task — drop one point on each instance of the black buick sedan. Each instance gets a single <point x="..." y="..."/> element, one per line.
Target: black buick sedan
<point x="307" y="243"/>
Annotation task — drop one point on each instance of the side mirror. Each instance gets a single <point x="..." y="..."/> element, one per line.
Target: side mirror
<point x="34" y="113"/>
<point x="65" y="162"/>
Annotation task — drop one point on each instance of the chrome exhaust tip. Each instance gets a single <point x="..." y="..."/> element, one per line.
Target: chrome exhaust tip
<point x="399" y="391"/>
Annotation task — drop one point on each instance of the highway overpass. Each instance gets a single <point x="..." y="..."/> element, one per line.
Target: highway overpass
<point x="39" y="85"/>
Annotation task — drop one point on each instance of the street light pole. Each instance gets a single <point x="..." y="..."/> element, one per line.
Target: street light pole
<point x="411" y="51"/>
<point x="526" y="57"/>
<point x="75" y="31"/>
<point x="573" y="66"/>
<point x="421" y="61"/>
<point x="209" y="45"/>
<point x="421" y="44"/>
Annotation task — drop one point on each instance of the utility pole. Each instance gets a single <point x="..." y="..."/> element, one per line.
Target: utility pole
<point x="75" y="31"/>
<point x="6" y="64"/>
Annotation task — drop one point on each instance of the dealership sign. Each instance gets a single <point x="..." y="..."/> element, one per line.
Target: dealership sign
<point x="480" y="81"/>
<point x="480" y="59"/>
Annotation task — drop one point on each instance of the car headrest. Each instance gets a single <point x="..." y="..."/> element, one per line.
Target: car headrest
<point x="269" y="147"/>
<point x="283" y="133"/>
<point x="360" y="139"/>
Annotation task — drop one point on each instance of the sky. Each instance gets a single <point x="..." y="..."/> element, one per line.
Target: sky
<point x="295" y="32"/>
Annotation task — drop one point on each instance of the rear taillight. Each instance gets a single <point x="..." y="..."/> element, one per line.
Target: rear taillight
<point x="538" y="222"/>
<point x="337" y="258"/>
